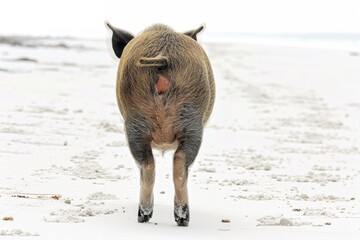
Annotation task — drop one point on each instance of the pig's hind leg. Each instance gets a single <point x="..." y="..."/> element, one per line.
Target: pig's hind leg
<point x="189" y="140"/>
<point x="137" y="132"/>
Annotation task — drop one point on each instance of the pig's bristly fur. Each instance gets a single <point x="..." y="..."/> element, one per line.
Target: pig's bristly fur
<point x="166" y="91"/>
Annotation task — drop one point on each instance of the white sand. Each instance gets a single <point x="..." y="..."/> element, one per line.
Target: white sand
<point x="280" y="156"/>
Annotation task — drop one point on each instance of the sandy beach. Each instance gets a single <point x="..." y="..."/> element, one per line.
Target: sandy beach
<point x="279" y="159"/>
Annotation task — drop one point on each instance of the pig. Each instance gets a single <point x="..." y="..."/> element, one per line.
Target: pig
<point x="165" y="91"/>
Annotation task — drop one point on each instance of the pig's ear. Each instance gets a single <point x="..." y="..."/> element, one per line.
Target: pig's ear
<point x="119" y="39"/>
<point x="193" y="33"/>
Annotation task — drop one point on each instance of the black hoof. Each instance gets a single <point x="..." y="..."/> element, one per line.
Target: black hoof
<point x="181" y="222"/>
<point x="144" y="217"/>
<point x="182" y="215"/>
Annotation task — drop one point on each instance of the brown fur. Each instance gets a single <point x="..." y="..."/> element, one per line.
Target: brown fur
<point x="189" y="65"/>
<point x="165" y="91"/>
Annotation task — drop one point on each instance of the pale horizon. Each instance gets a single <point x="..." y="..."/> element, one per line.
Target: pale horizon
<point x="86" y="19"/>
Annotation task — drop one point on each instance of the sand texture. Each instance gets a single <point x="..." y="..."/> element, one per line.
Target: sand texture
<point x="280" y="157"/>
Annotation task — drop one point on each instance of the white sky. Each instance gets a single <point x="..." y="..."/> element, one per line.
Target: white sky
<point x="86" y="17"/>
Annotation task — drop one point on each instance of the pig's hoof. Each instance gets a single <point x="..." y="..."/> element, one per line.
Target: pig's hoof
<point x="181" y="222"/>
<point x="144" y="216"/>
<point x="182" y="215"/>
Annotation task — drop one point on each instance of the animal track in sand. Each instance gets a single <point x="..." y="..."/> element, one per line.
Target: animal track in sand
<point x="17" y="232"/>
<point x="280" y="221"/>
<point x="318" y="212"/>
<point x="250" y="160"/>
<point x="317" y="198"/>
<point x="321" y="178"/>
<point x="102" y="196"/>
<point x="86" y="167"/>
<point x="75" y="213"/>
<point x="111" y="127"/>
<point x="255" y="197"/>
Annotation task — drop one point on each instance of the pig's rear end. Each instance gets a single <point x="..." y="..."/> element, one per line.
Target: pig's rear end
<point x="165" y="90"/>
